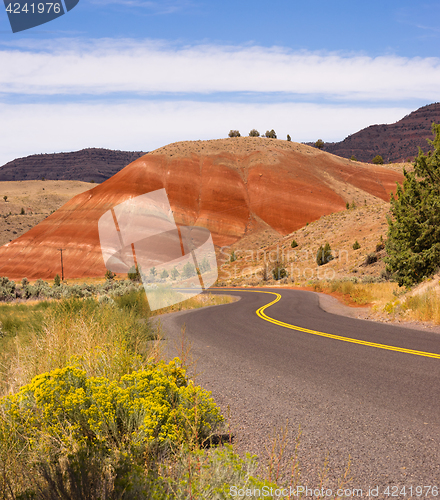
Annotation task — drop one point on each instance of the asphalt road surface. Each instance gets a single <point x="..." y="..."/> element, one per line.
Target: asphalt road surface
<point x="357" y="400"/>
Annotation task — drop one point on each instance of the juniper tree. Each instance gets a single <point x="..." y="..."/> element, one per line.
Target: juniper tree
<point x="413" y="243"/>
<point x="324" y="254"/>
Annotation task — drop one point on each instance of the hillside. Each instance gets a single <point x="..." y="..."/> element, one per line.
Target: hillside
<point x="239" y="188"/>
<point x="366" y="224"/>
<point x="395" y="142"/>
<point x="92" y="164"/>
<point x="38" y="199"/>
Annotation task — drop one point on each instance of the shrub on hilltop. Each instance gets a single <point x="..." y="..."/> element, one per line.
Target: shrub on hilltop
<point x="234" y="133"/>
<point x="271" y="134"/>
<point x="378" y="160"/>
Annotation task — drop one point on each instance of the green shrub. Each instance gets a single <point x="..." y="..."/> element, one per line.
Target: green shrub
<point x="233" y="257"/>
<point x="371" y="258"/>
<point x="134" y="273"/>
<point x="188" y="270"/>
<point x="57" y="280"/>
<point x="254" y="133"/>
<point x="377" y="160"/>
<point x="109" y="275"/>
<point x="356" y="245"/>
<point x="22" y="212"/>
<point x="324" y="255"/>
<point x="174" y="273"/>
<point x="294" y="244"/>
<point x="271" y="134"/>
<point x="279" y="271"/>
<point x="289" y="139"/>
<point x="234" y="133"/>
<point x="134" y="300"/>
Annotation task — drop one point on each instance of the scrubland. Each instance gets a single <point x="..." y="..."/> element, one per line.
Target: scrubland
<point x="90" y="410"/>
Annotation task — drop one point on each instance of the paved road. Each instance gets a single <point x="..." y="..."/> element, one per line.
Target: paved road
<point x="379" y="407"/>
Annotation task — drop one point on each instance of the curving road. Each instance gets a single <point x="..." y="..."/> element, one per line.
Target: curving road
<point x="357" y="388"/>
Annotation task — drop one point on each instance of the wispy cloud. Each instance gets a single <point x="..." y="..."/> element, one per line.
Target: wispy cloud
<point x="46" y="128"/>
<point x="112" y="66"/>
<point x="159" y="8"/>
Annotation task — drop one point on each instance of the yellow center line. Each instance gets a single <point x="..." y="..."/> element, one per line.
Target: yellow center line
<point x="260" y="312"/>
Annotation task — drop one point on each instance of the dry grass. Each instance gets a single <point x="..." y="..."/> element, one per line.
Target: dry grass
<point x="38" y="199"/>
<point x="203" y="300"/>
<point x="366" y="224"/>
<point x="422" y="307"/>
<point x="102" y="340"/>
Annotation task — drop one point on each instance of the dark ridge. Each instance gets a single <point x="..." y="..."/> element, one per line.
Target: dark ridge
<point x="399" y="141"/>
<point x="91" y="164"/>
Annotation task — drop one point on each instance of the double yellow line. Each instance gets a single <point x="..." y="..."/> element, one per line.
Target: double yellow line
<point x="263" y="315"/>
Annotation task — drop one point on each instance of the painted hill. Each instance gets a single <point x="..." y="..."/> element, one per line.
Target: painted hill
<point x="396" y="142"/>
<point x="237" y="188"/>
<point x="91" y="164"/>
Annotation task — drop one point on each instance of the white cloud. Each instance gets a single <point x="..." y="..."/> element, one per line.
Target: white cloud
<point x="162" y="7"/>
<point x="105" y="66"/>
<point x="139" y="125"/>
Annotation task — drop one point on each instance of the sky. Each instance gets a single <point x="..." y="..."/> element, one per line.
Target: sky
<point x="136" y="75"/>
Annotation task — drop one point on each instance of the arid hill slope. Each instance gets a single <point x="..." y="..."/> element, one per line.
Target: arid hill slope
<point x="395" y="142"/>
<point x="91" y="164"/>
<point x="235" y="187"/>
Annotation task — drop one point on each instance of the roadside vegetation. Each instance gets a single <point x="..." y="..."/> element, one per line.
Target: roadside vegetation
<point x="90" y="410"/>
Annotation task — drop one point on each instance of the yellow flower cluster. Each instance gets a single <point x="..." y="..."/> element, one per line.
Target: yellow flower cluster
<point x="155" y="406"/>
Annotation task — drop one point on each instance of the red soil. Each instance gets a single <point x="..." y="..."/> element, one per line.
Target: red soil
<point x="233" y="187"/>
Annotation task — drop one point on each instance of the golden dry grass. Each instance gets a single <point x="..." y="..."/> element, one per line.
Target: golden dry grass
<point x="38" y="199"/>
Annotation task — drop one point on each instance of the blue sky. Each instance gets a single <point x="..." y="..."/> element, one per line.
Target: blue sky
<point x="136" y="75"/>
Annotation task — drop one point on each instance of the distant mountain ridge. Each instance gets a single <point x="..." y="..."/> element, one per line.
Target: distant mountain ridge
<point x="395" y="142"/>
<point x="91" y="164"/>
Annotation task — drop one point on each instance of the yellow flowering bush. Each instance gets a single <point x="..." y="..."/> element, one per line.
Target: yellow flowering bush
<point x="142" y="411"/>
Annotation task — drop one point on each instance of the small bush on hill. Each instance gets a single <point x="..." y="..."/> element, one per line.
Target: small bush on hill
<point x="254" y="133"/>
<point x="371" y="258"/>
<point x="271" y="134"/>
<point x="377" y="160"/>
<point x="324" y="255"/>
<point x="319" y="144"/>
<point x="279" y="271"/>
<point x="294" y="244"/>
<point x="356" y="245"/>
<point x="234" y="133"/>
